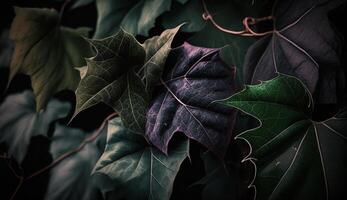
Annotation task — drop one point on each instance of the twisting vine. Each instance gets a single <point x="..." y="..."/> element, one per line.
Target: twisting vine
<point x="247" y="22"/>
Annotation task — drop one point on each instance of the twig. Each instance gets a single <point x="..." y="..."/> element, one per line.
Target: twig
<point x="61" y="12"/>
<point x="21" y="179"/>
<point x="246" y="23"/>
<point x="69" y="153"/>
<point x="59" y="159"/>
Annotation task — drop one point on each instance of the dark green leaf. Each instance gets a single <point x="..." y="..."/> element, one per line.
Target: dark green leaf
<point x="295" y="157"/>
<point x="110" y="78"/>
<point x="157" y="50"/>
<point x="220" y="182"/>
<point x="138" y="170"/>
<point x="112" y="75"/>
<point x="46" y="52"/>
<point x="134" y="16"/>
<point x="19" y="121"/>
<point x="6" y="49"/>
<point x="71" y="179"/>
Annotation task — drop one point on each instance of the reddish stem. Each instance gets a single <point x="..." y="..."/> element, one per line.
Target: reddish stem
<point x="73" y="151"/>
<point x="21" y="180"/>
<point x="246" y="23"/>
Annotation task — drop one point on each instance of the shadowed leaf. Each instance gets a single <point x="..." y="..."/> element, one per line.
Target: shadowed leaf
<point x="19" y="121"/>
<point x="138" y="170"/>
<point x="46" y="52"/>
<point x="303" y="44"/>
<point x="293" y="154"/>
<point x="194" y="77"/>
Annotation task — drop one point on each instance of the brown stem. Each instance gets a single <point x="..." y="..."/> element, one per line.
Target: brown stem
<point x="73" y="151"/>
<point x="246" y="23"/>
<point x="21" y="180"/>
<point x="61" y="12"/>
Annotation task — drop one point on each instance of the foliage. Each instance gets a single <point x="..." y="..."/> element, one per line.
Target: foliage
<point x="173" y="74"/>
<point x="288" y="145"/>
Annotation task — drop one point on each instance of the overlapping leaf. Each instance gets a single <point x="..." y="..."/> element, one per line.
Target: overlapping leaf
<point x="194" y="77"/>
<point x="71" y="178"/>
<point x="228" y="14"/>
<point x="303" y="44"/>
<point x="122" y="72"/>
<point x="138" y="170"/>
<point x="295" y="157"/>
<point x="135" y="16"/>
<point x="19" y="121"/>
<point x="46" y="52"/>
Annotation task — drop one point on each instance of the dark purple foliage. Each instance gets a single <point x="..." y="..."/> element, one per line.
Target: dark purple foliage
<point x="194" y="77"/>
<point x="303" y="44"/>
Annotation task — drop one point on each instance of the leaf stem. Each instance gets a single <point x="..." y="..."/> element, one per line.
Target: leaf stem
<point x="21" y="180"/>
<point x="247" y="21"/>
<point x="73" y="151"/>
<point x="59" y="159"/>
<point x="61" y="12"/>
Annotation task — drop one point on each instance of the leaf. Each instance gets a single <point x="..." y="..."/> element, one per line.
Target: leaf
<point x="157" y="50"/>
<point x="20" y="122"/>
<point x="80" y="3"/>
<point x="46" y="52"/>
<point x="229" y="14"/>
<point x="219" y="182"/>
<point x="295" y="157"/>
<point x="109" y="74"/>
<point x="71" y="178"/>
<point x="303" y="44"/>
<point x="115" y="75"/>
<point x="194" y="77"/>
<point x="138" y="170"/>
<point x="134" y="16"/>
<point x="6" y="49"/>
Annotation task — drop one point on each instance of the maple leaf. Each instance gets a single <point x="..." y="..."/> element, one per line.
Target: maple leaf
<point x="46" y="52"/>
<point x="137" y="169"/>
<point x="194" y="77"/>
<point x="293" y="154"/>
<point x="303" y="44"/>
<point x="122" y="73"/>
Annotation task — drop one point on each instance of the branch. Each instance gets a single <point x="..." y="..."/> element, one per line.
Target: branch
<point x="73" y="151"/>
<point x="58" y="160"/>
<point x="246" y="23"/>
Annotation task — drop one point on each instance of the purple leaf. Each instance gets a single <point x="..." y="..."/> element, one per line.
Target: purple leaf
<point x="194" y="77"/>
<point x="303" y="44"/>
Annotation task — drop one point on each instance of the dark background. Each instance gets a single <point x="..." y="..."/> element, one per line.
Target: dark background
<point x="38" y="156"/>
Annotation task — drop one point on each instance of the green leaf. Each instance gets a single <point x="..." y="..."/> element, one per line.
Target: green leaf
<point x="71" y="178"/>
<point x="134" y="16"/>
<point x="46" y="52"/>
<point x="6" y="49"/>
<point x="116" y="73"/>
<point x="138" y="170"/>
<point x="220" y="181"/>
<point x="157" y="50"/>
<point x="19" y="121"/>
<point x="110" y="78"/>
<point x="295" y="157"/>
